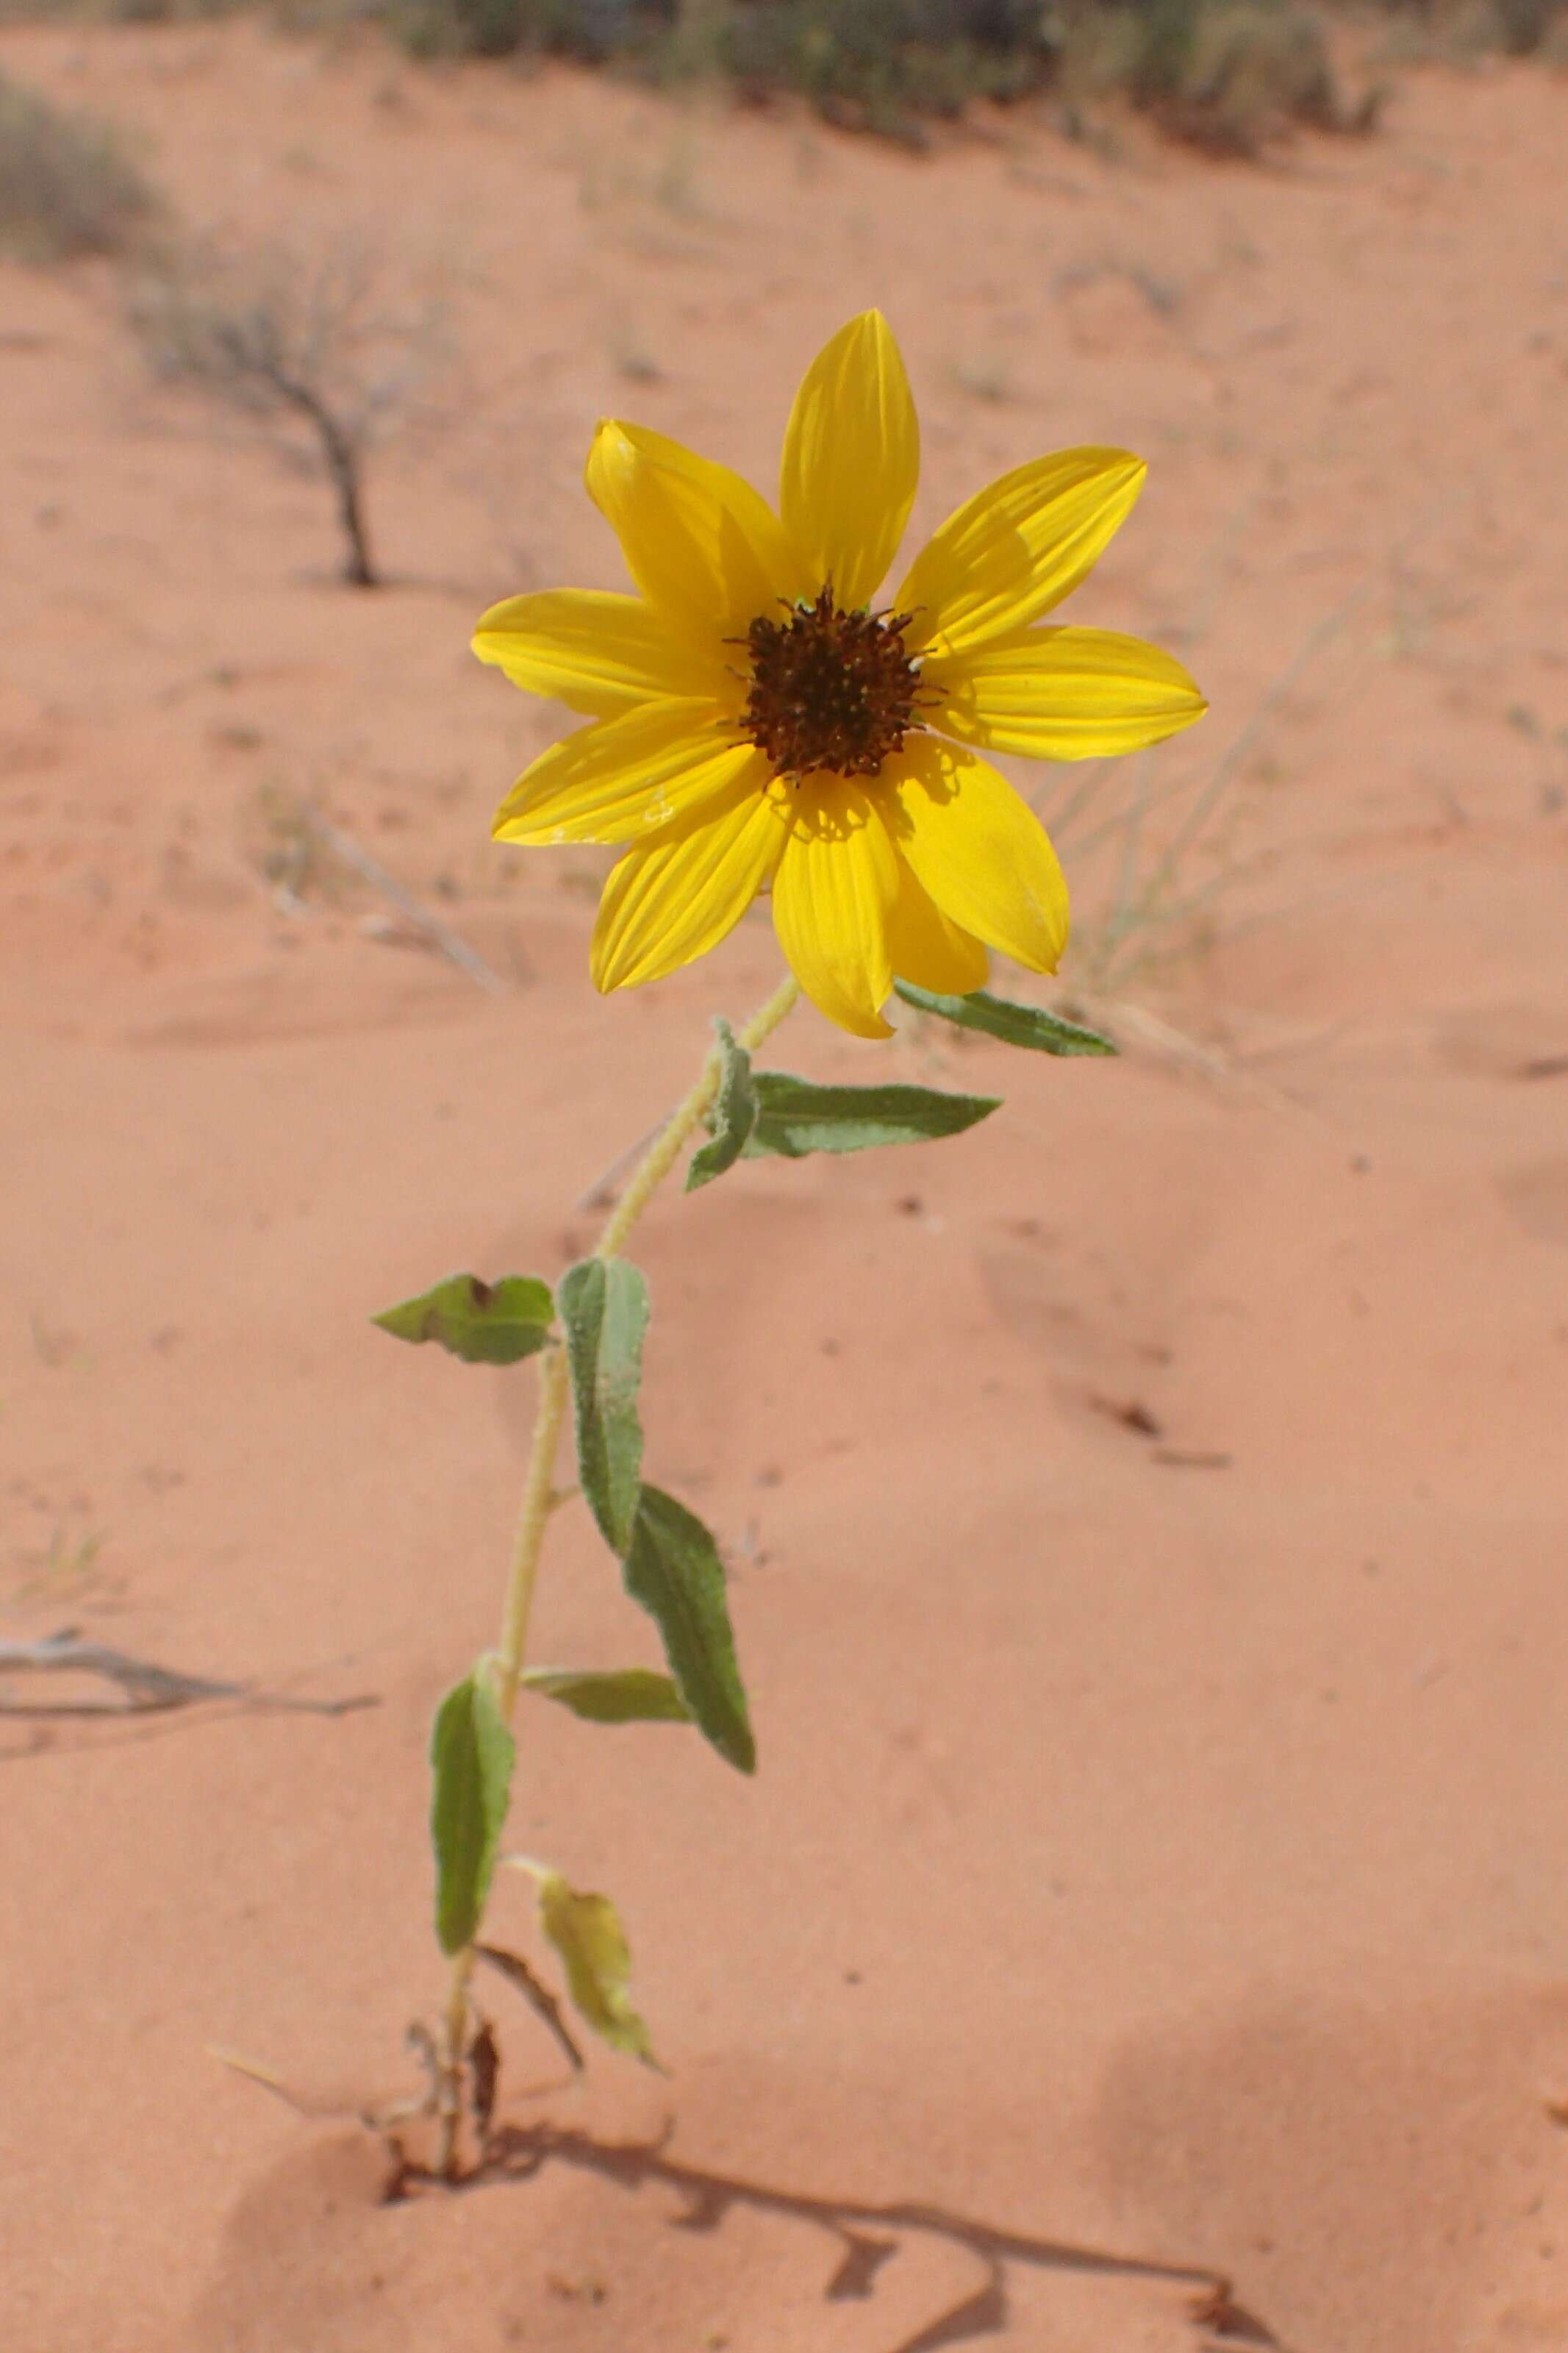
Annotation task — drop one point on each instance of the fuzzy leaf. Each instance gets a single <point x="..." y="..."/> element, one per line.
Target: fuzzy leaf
<point x="795" y="1116"/>
<point x="734" y="1115"/>
<point x="603" y="1307"/>
<point x="470" y="1764"/>
<point x="672" y="1567"/>
<point x="482" y="1323"/>
<point x="586" y="1932"/>
<point x="622" y="1695"/>
<point x="1015" y="1025"/>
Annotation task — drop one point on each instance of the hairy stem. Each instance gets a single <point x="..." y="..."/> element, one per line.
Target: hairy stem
<point x="540" y="1496"/>
<point x="665" y="1149"/>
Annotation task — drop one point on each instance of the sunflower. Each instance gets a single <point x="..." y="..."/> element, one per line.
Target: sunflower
<point x="758" y="723"/>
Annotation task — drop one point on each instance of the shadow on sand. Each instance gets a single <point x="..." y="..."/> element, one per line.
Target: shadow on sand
<point x="866" y="2235"/>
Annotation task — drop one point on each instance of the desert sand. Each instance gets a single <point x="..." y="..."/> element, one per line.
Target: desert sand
<point x="1145" y="1512"/>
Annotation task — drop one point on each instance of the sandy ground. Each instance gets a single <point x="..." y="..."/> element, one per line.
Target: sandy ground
<point x="1159" y="1861"/>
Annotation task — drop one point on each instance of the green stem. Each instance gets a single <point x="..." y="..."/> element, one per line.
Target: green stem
<point x="538" y="1500"/>
<point x="665" y="1149"/>
<point x="540" y="1496"/>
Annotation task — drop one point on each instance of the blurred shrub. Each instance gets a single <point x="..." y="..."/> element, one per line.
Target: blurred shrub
<point x="1526" y="25"/>
<point x="1227" y="73"/>
<point x="68" y="183"/>
<point x="1532" y="28"/>
<point x="882" y="65"/>
<point x="591" y="31"/>
<point x="116" y="11"/>
<point x="1461" y="30"/>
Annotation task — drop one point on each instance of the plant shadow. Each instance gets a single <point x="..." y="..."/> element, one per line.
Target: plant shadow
<point x="867" y="2234"/>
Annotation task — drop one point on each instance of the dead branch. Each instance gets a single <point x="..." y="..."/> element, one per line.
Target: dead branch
<point x="273" y="334"/>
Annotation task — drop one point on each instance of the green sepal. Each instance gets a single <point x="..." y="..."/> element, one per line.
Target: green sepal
<point x="482" y="1323"/>
<point x="734" y="1114"/>
<point x="471" y="1766"/>
<point x="1015" y="1025"/>
<point x="618" y="1695"/>
<point x="795" y="1116"/>
<point x="673" y="1570"/>
<point x="604" y="1307"/>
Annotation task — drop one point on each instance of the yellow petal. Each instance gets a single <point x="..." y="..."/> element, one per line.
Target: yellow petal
<point x="700" y="544"/>
<point x="926" y="947"/>
<point x="979" y="849"/>
<point x="673" y="899"/>
<point x="623" y="776"/>
<point x="1017" y="547"/>
<point x="851" y="459"/>
<point x="596" y="652"/>
<point x="837" y="886"/>
<point x="1062" y="694"/>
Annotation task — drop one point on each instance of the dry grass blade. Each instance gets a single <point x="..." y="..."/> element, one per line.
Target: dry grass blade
<point x="538" y="1996"/>
<point x="1146" y="895"/>
<point x="441" y="935"/>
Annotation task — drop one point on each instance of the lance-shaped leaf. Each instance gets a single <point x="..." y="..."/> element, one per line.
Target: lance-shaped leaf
<point x="795" y="1116"/>
<point x="483" y="1323"/>
<point x="672" y="1567"/>
<point x="603" y="1307"/>
<point x="586" y="1932"/>
<point x="1015" y="1025"/>
<point x="619" y="1696"/>
<point x="734" y="1114"/>
<point x="471" y="1766"/>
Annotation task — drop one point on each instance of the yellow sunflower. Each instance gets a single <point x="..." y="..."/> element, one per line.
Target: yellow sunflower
<point x="757" y="722"/>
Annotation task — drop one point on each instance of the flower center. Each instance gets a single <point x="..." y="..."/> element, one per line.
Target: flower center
<point x="830" y="688"/>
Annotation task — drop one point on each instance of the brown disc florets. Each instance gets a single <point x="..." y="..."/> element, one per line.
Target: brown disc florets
<point x="830" y="688"/>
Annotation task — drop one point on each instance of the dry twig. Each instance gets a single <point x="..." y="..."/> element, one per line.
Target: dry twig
<point x="441" y="935"/>
<point x="146" y="1687"/>
<point x="281" y="335"/>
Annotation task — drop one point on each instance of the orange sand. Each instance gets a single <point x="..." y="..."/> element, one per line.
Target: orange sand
<point x="1152" y="1861"/>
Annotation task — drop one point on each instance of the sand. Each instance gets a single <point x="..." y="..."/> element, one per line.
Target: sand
<point x="1158" y="1865"/>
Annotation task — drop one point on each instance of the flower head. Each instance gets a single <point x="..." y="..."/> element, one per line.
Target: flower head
<point x="757" y="722"/>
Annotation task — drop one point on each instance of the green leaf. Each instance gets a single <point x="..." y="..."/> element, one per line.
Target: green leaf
<point x="1015" y="1025"/>
<point x="795" y="1116"/>
<point x="586" y="1932"/>
<point x="483" y="1323"/>
<point x="734" y="1115"/>
<point x="622" y="1696"/>
<point x="603" y="1307"/>
<point x="470" y="1765"/>
<point x="672" y="1567"/>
